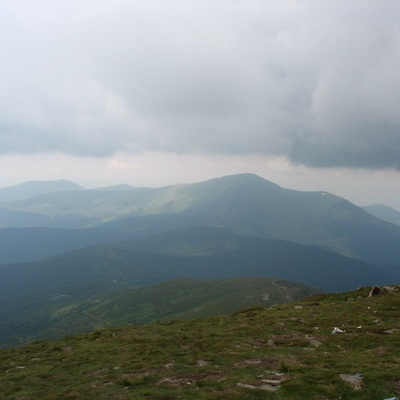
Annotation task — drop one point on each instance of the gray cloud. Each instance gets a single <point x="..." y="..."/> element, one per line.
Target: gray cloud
<point x="314" y="81"/>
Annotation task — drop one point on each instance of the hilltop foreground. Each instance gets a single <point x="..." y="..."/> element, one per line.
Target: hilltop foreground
<point x="284" y="352"/>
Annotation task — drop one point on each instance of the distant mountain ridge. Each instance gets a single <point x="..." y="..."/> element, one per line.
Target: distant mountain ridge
<point x="384" y="212"/>
<point x="36" y="188"/>
<point x="74" y="244"/>
<point x="195" y="252"/>
<point x="243" y="203"/>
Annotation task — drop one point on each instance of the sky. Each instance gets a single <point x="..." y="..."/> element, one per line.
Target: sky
<point x="153" y="93"/>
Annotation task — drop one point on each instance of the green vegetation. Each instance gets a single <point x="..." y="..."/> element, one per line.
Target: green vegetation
<point x="284" y="352"/>
<point x="52" y="315"/>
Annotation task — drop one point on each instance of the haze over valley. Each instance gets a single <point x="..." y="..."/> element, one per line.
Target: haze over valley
<point x="66" y="249"/>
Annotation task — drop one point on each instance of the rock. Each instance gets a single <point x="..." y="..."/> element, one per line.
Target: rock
<point x="354" y="380"/>
<point x="201" y="363"/>
<point x="272" y="382"/>
<point x="376" y="290"/>
<point x="390" y="288"/>
<point x="313" y="341"/>
<point x="337" y="330"/>
<point x="268" y="388"/>
<point x="390" y="331"/>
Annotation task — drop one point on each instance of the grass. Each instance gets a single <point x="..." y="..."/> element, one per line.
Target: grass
<point x="225" y="357"/>
<point x="78" y="310"/>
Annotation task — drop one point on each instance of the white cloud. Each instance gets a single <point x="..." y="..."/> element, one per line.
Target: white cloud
<point x="311" y="82"/>
<point x="360" y="186"/>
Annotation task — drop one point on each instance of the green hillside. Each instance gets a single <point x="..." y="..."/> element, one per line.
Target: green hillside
<point x="284" y="352"/>
<point x="77" y="308"/>
<point x="190" y="299"/>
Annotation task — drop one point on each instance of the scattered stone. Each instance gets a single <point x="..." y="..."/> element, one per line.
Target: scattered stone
<point x="272" y="382"/>
<point x="390" y="288"/>
<point x="337" y="330"/>
<point x="168" y="365"/>
<point x="176" y="381"/>
<point x="375" y="291"/>
<point x="252" y="362"/>
<point x="390" y="331"/>
<point x="268" y="388"/>
<point x="192" y="379"/>
<point x="313" y="341"/>
<point x="354" y="380"/>
<point x="298" y="307"/>
<point x="201" y="363"/>
<point x="264" y="362"/>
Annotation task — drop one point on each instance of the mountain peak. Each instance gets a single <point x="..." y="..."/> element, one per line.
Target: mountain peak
<point x="238" y="181"/>
<point x="244" y="178"/>
<point x="30" y="189"/>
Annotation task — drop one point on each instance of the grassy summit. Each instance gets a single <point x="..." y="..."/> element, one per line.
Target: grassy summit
<point x="284" y="352"/>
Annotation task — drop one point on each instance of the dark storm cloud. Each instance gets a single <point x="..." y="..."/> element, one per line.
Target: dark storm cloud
<point x="314" y="81"/>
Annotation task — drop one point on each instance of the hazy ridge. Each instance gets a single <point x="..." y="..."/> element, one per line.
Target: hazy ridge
<point x="79" y="244"/>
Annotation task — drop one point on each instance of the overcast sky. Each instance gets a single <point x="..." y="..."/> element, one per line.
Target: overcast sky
<point x="152" y="93"/>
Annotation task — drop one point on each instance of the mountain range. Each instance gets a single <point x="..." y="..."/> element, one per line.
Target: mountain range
<point x="59" y="239"/>
<point x="384" y="212"/>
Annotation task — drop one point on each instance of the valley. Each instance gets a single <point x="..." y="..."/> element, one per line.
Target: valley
<point x="69" y="255"/>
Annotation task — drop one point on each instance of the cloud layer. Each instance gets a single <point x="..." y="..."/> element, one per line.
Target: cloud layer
<point x="316" y="82"/>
